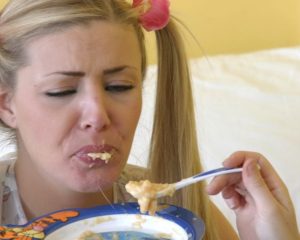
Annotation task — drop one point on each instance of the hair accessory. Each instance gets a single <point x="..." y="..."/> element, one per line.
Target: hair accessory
<point x="155" y="14"/>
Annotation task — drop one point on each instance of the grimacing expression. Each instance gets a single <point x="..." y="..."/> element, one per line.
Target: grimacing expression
<point x="79" y="93"/>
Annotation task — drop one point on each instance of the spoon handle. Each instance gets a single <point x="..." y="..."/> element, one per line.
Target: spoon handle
<point x="204" y="175"/>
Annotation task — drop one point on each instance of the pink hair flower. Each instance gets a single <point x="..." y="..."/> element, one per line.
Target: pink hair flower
<point x="155" y="13"/>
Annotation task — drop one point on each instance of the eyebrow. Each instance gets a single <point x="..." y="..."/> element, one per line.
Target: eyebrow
<point x="82" y="74"/>
<point x="68" y="73"/>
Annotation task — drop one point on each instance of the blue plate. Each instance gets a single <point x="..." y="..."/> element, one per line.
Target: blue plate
<point x="122" y="220"/>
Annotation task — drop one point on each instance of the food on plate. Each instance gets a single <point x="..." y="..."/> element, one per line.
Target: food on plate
<point x="89" y="235"/>
<point x="122" y="235"/>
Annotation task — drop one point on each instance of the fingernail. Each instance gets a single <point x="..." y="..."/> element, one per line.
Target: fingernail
<point x="252" y="168"/>
<point x="231" y="203"/>
<point x="224" y="162"/>
<point x="209" y="189"/>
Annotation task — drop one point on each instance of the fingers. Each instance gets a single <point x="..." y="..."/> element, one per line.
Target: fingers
<point x="264" y="184"/>
<point x="265" y="178"/>
<point x="258" y="197"/>
<point x="233" y="198"/>
<point x="259" y="179"/>
<point x="219" y="183"/>
<point x="255" y="184"/>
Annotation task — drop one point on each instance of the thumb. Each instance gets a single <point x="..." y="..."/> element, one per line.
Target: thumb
<point x="256" y="185"/>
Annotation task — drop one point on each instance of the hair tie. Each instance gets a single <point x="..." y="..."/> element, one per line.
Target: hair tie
<point x="155" y="14"/>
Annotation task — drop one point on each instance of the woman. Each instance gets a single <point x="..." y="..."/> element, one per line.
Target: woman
<point x="71" y="80"/>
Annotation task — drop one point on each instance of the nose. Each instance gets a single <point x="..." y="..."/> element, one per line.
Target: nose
<point x="95" y="114"/>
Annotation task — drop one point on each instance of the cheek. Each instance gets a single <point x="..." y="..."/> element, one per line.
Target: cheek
<point x="39" y="123"/>
<point x="125" y="121"/>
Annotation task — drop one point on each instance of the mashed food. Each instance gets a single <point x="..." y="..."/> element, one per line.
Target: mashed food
<point x="146" y="193"/>
<point x="122" y="235"/>
<point x="104" y="156"/>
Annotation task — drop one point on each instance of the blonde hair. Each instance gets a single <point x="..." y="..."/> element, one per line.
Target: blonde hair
<point x="174" y="149"/>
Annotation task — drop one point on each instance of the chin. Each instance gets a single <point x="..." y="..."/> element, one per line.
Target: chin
<point x="90" y="188"/>
<point x="93" y="184"/>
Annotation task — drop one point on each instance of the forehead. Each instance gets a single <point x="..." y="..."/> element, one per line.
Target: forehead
<point x="85" y="45"/>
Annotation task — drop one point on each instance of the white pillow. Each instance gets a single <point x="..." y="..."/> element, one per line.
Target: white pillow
<point x="243" y="102"/>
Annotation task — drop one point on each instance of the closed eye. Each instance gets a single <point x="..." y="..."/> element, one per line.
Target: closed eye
<point x="61" y="93"/>
<point x="118" y="88"/>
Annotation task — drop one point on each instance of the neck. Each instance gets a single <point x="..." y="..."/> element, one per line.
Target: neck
<point x="38" y="197"/>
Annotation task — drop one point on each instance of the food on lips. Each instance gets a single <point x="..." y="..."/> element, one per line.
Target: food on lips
<point x="104" y="156"/>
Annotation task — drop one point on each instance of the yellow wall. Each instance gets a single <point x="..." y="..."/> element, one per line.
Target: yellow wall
<point x="233" y="26"/>
<point x="2" y="3"/>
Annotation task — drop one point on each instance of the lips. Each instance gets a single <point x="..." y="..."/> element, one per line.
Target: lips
<point x="87" y="154"/>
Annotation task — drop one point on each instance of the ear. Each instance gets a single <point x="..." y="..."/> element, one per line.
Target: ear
<point x="7" y="114"/>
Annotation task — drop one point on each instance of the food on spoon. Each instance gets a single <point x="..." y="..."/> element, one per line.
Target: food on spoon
<point x="146" y="193"/>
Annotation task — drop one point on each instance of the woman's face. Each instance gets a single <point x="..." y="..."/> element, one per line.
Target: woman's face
<point x="80" y="94"/>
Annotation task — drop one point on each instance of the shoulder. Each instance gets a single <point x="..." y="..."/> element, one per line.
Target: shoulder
<point x="7" y="158"/>
<point x="6" y="166"/>
<point x="6" y="163"/>
<point x="224" y="227"/>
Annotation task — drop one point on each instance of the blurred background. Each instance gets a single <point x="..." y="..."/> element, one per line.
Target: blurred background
<point x="235" y="26"/>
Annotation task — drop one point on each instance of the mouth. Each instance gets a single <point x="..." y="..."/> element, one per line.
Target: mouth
<point x="95" y="156"/>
